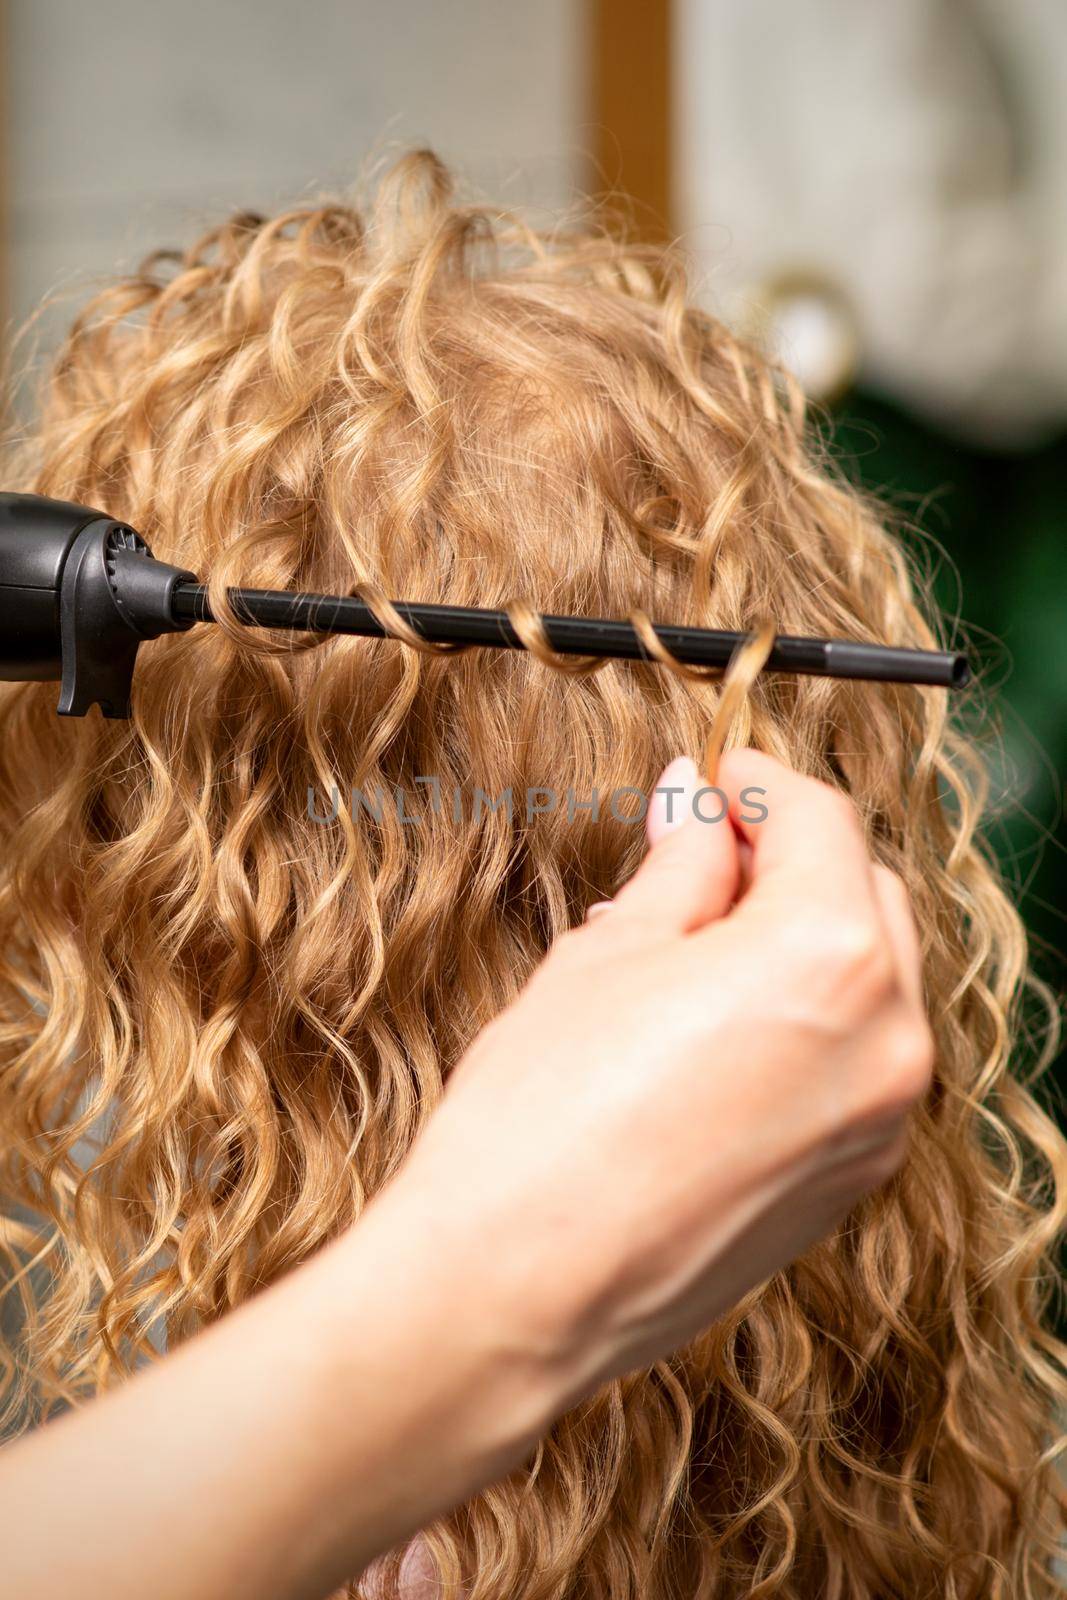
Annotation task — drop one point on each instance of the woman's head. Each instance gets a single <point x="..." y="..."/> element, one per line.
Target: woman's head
<point x="225" y="1020"/>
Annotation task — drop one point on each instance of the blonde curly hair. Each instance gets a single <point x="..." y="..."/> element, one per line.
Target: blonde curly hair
<point x="224" y="1024"/>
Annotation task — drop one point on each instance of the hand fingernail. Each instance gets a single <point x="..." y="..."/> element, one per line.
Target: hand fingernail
<point x="671" y="802"/>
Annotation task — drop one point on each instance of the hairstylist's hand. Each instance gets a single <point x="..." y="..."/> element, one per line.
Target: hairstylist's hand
<point x="691" y="1089"/>
<point x="694" y="1086"/>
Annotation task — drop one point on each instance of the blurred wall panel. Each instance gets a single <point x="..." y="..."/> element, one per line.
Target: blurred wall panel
<point x="130" y="123"/>
<point x="902" y="166"/>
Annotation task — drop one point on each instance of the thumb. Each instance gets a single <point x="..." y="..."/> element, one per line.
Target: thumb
<point x="691" y="874"/>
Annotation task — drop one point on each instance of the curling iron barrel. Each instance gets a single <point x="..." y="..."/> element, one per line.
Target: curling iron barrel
<point x="80" y="592"/>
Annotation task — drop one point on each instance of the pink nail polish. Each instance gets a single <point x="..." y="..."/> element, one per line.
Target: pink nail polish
<point x="671" y="803"/>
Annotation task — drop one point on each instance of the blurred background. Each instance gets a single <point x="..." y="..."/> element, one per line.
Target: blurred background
<point x="877" y="191"/>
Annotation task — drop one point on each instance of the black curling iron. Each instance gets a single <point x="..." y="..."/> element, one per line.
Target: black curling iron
<point x="80" y="591"/>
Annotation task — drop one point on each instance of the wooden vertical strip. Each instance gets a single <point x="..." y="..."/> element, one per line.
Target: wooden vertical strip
<point x="5" y="135"/>
<point x="630" y="72"/>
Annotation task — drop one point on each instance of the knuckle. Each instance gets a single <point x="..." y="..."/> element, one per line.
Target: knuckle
<point x="856" y="957"/>
<point x="839" y="805"/>
<point x="892" y="881"/>
<point x="908" y="1061"/>
<point x="895" y="890"/>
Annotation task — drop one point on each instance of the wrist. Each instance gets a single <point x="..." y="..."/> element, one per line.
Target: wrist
<point x="523" y="1306"/>
<point x="422" y="1363"/>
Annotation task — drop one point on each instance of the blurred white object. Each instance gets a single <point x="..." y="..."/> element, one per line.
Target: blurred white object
<point x="911" y="156"/>
<point x="809" y="325"/>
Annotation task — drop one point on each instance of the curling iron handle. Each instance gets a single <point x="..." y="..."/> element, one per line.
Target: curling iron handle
<point x="35" y="538"/>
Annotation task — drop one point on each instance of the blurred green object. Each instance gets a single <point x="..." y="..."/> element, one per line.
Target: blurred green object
<point x="1001" y="519"/>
